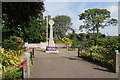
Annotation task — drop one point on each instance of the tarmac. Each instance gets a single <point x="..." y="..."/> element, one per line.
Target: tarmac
<point x="66" y="64"/>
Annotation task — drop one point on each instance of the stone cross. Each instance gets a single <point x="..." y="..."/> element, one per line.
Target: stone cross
<point x="51" y="41"/>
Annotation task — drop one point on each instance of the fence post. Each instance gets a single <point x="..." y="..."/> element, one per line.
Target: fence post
<point x="91" y="54"/>
<point x="26" y="68"/>
<point x="78" y="52"/>
<point x="115" y="61"/>
<point x="67" y="46"/>
<point x="33" y="52"/>
<point x="31" y="57"/>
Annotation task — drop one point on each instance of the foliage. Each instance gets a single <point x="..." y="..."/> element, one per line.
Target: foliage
<point x="102" y="42"/>
<point x="89" y="43"/>
<point x="98" y="59"/>
<point x="82" y="37"/>
<point x="10" y="58"/>
<point x="74" y="38"/>
<point x="94" y="19"/>
<point x="98" y="49"/>
<point x="111" y="46"/>
<point x="119" y="43"/>
<point x="36" y="32"/>
<point x="16" y="17"/>
<point x="65" y="41"/>
<point x="14" y="43"/>
<point x="61" y="26"/>
<point x="74" y="41"/>
<point x="105" y="46"/>
<point x="10" y="61"/>
<point x="12" y="73"/>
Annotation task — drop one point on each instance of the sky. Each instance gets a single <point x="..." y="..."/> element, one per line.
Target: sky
<point x="74" y="8"/>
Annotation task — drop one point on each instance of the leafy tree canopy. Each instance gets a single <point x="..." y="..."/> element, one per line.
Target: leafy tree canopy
<point x="61" y="26"/>
<point x="94" y="19"/>
<point x="16" y="17"/>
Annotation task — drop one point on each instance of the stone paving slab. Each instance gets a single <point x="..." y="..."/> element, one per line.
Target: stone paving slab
<point x="66" y="64"/>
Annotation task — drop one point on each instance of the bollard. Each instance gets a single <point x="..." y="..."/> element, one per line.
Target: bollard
<point x="67" y="46"/>
<point x="33" y="52"/>
<point x="31" y="56"/>
<point x="78" y="52"/>
<point x="115" y="61"/>
<point x="74" y="48"/>
<point x="26" y="68"/>
<point x="91" y="54"/>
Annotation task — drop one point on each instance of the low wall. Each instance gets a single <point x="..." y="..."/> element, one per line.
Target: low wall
<point x="61" y="45"/>
<point x="36" y="45"/>
<point x="43" y="45"/>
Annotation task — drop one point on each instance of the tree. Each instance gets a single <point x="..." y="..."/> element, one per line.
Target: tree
<point x="16" y="17"/>
<point x="82" y="37"/>
<point x="74" y="38"/>
<point x="36" y="32"/>
<point x="94" y="19"/>
<point x="61" y="26"/>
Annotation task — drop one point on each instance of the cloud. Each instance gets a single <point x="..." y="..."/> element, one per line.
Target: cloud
<point x="111" y="30"/>
<point x="114" y="11"/>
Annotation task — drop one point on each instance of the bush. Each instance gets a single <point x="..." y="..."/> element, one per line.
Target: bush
<point x="10" y="58"/>
<point x="102" y="42"/>
<point x="98" y="59"/>
<point x="74" y="43"/>
<point x="89" y="43"/>
<point x="98" y="49"/>
<point x="11" y="73"/>
<point x="111" y="46"/>
<point x="14" y="43"/>
<point x="64" y="41"/>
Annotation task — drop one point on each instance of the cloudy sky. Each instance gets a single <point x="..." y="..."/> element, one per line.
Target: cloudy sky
<point x="76" y="7"/>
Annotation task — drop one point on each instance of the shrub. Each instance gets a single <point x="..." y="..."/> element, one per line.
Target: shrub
<point x="98" y="49"/>
<point x="89" y="43"/>
<point x="74" y="43"/>
<point x="98" y="59"/>
<point x="12" y="73"/>
<point x="10" y="58"/>
<point x="64" y="41"/>
<point x="111" y="46"/>
<point x="14" y="43"/>
<point x="102" y="42"/>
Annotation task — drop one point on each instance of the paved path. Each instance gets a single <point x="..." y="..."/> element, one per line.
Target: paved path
<point x="66" y="65"/>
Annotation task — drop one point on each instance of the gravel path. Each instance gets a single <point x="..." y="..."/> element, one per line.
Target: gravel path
<point x="66" y="64"/>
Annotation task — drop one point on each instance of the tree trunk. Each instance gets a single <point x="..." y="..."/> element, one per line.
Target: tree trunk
<point x="94" y="37"/>
<point x="97" y="35"/>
